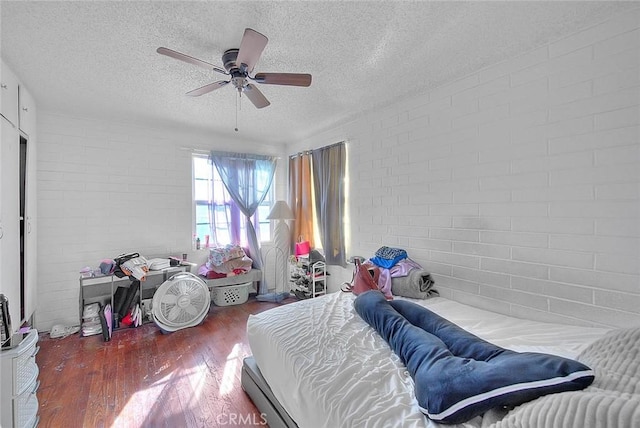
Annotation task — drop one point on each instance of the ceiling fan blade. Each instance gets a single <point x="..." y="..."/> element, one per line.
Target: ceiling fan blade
<point x="251" y="48"/>
<point x="255" y="96"/>
<point x="207" y="88"/>
<point x="290" y="79"/>
<point x="189" y="59"/>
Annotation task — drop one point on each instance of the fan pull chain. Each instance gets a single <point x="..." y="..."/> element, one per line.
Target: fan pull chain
<point x="237" y="108"/>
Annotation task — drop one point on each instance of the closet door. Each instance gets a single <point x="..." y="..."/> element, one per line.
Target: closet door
<point x="10" y="219"/>
<point x="28" y="147"/>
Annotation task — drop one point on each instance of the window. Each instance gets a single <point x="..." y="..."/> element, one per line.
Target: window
<point x="215" y="213"/>
<point x="318" y="191"/>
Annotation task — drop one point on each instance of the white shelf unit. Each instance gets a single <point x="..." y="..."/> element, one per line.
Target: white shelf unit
<point x="318" y="273"/>
<point x="314" y="278"/>
<point x="19" y="373"/>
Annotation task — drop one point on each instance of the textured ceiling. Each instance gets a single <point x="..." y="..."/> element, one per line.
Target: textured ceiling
<point x="99" y="59"/>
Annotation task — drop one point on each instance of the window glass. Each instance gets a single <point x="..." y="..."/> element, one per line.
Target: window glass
<point x="213" y="207"/>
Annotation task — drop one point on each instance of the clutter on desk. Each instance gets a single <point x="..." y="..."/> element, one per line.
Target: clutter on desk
<point x="132" y="265"/>
<point x="126" y="307"/>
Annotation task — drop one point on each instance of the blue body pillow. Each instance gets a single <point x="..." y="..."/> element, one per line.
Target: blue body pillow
<point x="457" y="375"/>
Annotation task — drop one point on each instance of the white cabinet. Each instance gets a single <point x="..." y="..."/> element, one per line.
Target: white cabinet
<point x="18" y="264"/>
<point x="9" y="91"/>
<point x="20" y="383"/>
<point x="10" y="219"/>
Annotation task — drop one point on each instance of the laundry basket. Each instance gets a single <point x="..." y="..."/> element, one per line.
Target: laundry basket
<point x="230" y="294"/>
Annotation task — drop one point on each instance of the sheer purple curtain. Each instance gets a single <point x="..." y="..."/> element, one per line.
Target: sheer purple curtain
<point x="224" y="229"/>
<point x="247" y="178"/>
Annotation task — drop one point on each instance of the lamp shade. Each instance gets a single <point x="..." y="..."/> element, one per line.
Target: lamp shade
<point x="281" y="211"/>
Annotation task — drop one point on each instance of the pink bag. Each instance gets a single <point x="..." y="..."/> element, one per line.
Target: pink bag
<point x="302" y="248"/>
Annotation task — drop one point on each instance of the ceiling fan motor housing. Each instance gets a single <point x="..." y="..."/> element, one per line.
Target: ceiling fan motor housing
<point x="229" y="59"/>
<point x="238" y="73"/>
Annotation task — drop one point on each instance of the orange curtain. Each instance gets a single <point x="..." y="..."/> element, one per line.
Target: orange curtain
<point x="300" y="197"/>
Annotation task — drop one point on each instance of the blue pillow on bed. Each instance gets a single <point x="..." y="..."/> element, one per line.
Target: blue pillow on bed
<point x="457" y="375"/>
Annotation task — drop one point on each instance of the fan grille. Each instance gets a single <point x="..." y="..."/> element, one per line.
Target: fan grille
<point x="181" y="300"/>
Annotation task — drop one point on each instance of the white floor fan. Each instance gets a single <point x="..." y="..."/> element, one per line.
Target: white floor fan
<point x="181" y="301"/>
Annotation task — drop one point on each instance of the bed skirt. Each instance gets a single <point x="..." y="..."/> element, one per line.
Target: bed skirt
<point x="258" y="390"/>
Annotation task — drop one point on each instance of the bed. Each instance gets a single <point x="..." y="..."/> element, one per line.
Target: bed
<point x="316" y="363"/>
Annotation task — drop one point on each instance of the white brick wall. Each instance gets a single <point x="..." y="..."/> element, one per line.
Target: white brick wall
<point x="517" y="186"/>
<point x="106" y="188"/>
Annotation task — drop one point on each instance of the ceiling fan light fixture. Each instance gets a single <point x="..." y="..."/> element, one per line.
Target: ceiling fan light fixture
<point x="239" y="82"/>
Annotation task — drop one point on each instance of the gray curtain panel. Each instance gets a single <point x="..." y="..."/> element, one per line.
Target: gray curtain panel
<point x="329" y="166"/>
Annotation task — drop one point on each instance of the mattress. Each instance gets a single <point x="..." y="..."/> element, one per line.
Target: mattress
<point x="328" y="368"/>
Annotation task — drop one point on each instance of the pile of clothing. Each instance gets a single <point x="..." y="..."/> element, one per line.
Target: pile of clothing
<point x="401" y="276"/>
<point x="228" y="260"/>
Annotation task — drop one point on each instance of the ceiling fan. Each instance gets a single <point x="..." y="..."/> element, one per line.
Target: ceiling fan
<point x="238" y="65"/>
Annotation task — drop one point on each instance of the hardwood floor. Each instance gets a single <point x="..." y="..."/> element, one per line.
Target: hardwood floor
<point x="143" y="378"/>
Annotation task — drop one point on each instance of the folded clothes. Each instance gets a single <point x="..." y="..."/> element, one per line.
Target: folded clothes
<point x="387" y="257"/>
<point x="416" y="284"/>
<point x="91" y="310"/>
<point x="219" y="255"/>
<point x="390" y="253"/>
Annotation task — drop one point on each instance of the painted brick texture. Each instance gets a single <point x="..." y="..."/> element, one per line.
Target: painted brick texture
<point x="105" y="188"/>
<point x="517" y="186"/>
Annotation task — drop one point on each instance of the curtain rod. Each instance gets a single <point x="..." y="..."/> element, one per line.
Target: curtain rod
<point x="308" y="152"/>
<point x="208" y="152"/>
<point x="194" y="150"/>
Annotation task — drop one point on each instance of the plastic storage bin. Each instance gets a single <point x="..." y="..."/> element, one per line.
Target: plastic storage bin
<point x="230" y="294"/>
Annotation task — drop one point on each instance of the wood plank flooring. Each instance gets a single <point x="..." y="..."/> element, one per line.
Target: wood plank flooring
<point x="143" y="378"/>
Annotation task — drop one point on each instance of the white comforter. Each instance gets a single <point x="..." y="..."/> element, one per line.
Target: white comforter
<point x="328" y="368"/>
